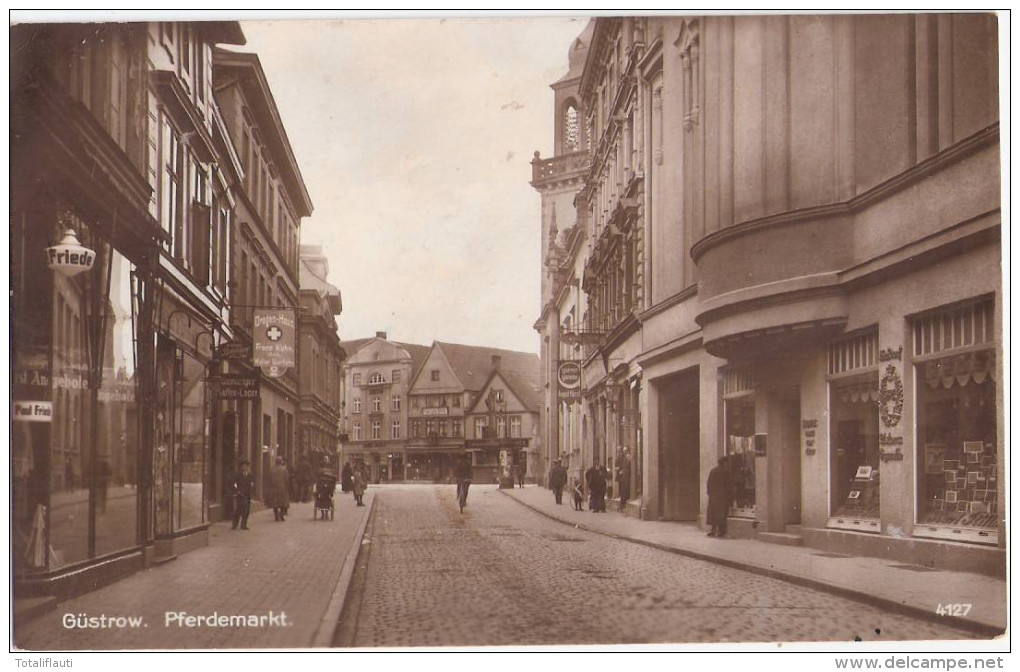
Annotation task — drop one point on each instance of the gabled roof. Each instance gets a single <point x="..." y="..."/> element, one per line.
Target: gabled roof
<point x="525" y="396"/>
<point x="472" y="364"/>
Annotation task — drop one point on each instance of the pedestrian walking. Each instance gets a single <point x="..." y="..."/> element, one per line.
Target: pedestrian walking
<point x="346" y="477"/>
<point x="597" y="480"/>
<point x="276" y="491"/>
<point x="242" y="488"/>
<point x="720" y="496"/>
<point x="358" y="486"/>
<point x="520" y="471"/>
<point x="558" y="480"/>
<point x="578" y="492"/>
<point x="623" y="474"/>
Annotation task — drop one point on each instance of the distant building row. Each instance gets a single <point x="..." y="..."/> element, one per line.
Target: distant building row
<point x="412" y="412"/>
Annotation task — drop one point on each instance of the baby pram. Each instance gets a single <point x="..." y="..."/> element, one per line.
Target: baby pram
<point x="325" y="486"/>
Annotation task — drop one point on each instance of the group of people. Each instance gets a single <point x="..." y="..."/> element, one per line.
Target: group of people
<point x="596" y="482"/>
<point x="281" y="486"/>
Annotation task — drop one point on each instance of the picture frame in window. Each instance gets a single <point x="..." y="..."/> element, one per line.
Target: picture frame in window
<point x="973" y="447"/>
<point x="972" y="477"/>
<point x="854" y="494"/>
<point x="951" y="496"/>
<point x="864" y="472"/>
<point x="973" y="458"/>
<point x="950" y="465"/>
<point x="934" y="457"/>
<point x="950" y="478"/>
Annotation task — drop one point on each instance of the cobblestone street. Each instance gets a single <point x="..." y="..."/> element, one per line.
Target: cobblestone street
<point x="501" y="574"/>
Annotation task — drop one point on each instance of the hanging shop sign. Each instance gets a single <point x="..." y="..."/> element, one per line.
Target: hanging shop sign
<point x="234" y="387"/>
<point x="568" y="378"/>
<point x="273" y="340"/>
<point x="70" y="257"/>
<point x="234" y="351"/>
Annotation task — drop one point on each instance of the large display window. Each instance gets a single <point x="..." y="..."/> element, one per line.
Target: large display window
<point x="959" y="484"/>
<point x="740" y="425"/>
<point x="854" y="454"/>
<point x="75" y="467"/>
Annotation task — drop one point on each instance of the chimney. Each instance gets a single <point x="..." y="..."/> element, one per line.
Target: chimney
<point x="496" y="361"/>
<point x="380" y="334"/>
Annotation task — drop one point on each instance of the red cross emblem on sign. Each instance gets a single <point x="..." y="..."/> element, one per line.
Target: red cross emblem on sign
<point x="274" y="333"/>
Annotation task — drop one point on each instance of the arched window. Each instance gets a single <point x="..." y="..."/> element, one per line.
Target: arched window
<point x="571" y="129"/>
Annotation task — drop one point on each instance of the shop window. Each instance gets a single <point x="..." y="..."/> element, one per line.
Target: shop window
<point x="959" y="484"/>
<point x="739" y="423"/>
<point x="190" y="444"/>
<point x="854" y="454"/>
<point x="740" y="449"/>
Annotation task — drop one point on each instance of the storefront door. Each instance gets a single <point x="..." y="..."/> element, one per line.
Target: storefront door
<point x="679" y="446"/>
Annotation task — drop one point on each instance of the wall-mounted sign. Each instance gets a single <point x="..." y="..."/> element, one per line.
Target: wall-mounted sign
<point x="568" y="378"/>
<point x="33" y="411"/>
<point x="235" y="387"/>
<point x="436" y="410"/>
<point x="273" y="340"/>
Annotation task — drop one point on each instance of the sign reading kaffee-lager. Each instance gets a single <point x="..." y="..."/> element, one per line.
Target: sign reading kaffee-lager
<point x="568" y="378"/>
<point x="273" y="340"/>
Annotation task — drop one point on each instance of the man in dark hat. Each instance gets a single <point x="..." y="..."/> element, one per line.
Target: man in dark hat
<point x="243" y="487"/>
<point x="557" y="480"/>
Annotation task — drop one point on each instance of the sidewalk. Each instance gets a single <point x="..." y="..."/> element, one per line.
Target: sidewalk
<point x="291" y="577"/>
<point x="916" y="591"/>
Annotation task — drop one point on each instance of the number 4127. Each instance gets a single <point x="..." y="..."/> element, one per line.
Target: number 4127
<point x="952" y="609"/>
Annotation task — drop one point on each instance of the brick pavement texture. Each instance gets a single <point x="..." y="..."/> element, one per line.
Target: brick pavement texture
<point x="501" y="574"/>
<point x="290" y="568"/>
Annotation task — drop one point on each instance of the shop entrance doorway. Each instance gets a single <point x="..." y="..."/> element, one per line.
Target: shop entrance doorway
<point x="679" y="445"/>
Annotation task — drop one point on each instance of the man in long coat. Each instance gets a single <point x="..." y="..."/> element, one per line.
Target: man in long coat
<point x="276" y="495"/>
<point x="558" y="480"/>
<point x="720" y="497"/>
<point x="623" y="474"/>
<point x="597" y="488"/>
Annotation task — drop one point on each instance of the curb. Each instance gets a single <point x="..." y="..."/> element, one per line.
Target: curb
<point x="976" y="627"/>
<point x="323" y="637"/>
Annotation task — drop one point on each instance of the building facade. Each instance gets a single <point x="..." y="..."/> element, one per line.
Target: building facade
<point x="413" y="412"/>
<point x="271" y="200"/>
<point x="121" y="182"/>
<point x="134" y="200"/>
<point x="766" y="282"/>
<point x="320" y="363"/>
<point x="377" y="377"/>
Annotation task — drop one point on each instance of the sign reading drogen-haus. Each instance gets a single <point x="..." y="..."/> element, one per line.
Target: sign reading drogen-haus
<point x="273" y="340"/>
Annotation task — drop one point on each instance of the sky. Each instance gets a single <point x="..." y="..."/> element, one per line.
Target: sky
<point x="414" y="138"/>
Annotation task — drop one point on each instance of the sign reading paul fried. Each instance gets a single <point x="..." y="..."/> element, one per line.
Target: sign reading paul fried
<point x="273" y="339"/>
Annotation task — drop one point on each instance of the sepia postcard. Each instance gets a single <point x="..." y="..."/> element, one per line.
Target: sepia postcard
<point x="507" y="332"/>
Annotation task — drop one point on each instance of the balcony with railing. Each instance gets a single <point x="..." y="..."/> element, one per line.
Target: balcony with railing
<point x="558" y="168"/>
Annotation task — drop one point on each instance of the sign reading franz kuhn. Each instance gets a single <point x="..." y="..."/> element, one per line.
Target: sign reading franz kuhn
<point x="273" y="340"/>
